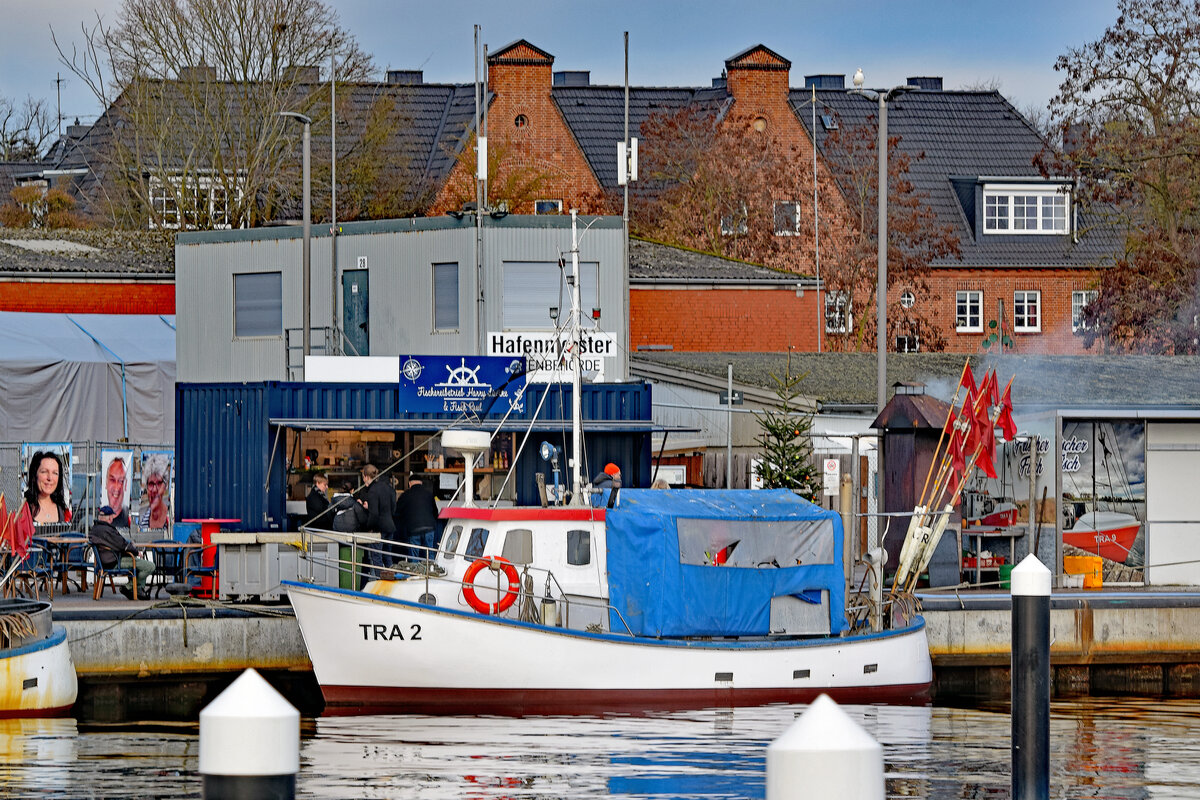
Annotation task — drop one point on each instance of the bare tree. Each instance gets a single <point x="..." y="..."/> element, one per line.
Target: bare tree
<point x="25" y="129"/>
<point x="193" y="89"/>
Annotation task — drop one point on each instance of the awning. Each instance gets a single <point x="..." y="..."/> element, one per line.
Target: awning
<point x="510" y="425"/>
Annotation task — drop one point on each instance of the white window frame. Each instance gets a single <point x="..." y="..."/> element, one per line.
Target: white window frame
<point x="736" y="227"/>
<point x="781" y="207"/>
<point x="547" y="206"/>
<point x="1024" y="209"/>
<point x="838" y="316"/>
<point x="904" y="340"/>
<point x="1022" y="311"/>
<point x="1079" y="301"/>
<point x="972" y="299"/>
<point x="208" y="190"/>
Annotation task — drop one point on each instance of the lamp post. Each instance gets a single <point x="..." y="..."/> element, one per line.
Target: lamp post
<point x="881" y="286"/>
<point x="306" y="247"/>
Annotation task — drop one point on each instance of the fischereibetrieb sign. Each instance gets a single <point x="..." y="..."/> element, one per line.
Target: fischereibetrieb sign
<point x="461" y="384"/>
<point x="549" y="355"/>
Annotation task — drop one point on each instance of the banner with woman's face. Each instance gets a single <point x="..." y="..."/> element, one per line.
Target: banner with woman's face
<point x="154" y="505"/>
<point x="60" y="449"/>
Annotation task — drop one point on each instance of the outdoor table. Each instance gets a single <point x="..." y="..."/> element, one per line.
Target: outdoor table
<point x="59" y="547"/>
<point x="182" y="548"/>
<point x="208" y="556"/>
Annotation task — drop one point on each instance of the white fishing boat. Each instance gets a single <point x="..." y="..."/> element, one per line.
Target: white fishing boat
<point x="652" y="599"/>
<point x="37" y="676"/>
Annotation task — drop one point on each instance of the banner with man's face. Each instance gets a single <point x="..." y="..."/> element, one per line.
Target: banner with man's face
<point x="116" y="480"/>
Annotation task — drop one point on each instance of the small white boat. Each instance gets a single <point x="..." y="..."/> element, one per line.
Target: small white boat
<point x="673" y="599"/>
<point x="37" y="676"/>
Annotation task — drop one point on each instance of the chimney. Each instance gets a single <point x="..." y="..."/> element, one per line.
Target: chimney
<point x="302" y="74"/>
<point x="720" y="83"/>
<point x="825" y="81"/>
<point x="199" y="74"/>
<point x="929" y="84"/>
<point x="577" y="77"/>
<point x="76" y="131"/>
<point x="405" y="77"/>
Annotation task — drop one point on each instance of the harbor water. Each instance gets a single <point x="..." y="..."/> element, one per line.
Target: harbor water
<point x="1101" y="748"/>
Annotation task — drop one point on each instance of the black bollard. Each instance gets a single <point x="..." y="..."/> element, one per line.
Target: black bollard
<point x="1030" y="680"/>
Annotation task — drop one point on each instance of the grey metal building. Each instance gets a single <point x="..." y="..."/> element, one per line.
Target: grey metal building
<point x="430" y="285"/>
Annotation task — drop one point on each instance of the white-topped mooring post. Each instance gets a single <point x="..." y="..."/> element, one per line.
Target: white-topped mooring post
<point x="249" y="743"/>
<point x="825" y="753"/>
<point x="1031" y="680"/>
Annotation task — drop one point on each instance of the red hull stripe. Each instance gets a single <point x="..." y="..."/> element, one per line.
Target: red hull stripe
<point x="351" y="700"/>
<point x="1112" y="550"/>
<point x="21" y="713"/>
<point x="559" y="513"/>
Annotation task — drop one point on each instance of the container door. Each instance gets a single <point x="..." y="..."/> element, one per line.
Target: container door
<point x="355" y="312"/>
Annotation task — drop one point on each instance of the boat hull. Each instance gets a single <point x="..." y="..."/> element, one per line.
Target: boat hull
<point x="38" y="679"/>
<point x="1109" y="535"/>
<point x="373" y="654"/>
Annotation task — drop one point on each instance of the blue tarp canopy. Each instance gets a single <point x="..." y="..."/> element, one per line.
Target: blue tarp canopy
<point x="694" y="562"/>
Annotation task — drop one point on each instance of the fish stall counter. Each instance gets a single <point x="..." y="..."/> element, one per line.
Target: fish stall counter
<point x="253" y="565"/>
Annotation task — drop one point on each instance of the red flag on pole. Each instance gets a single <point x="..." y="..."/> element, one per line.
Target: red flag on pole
<point x="968" y="379"/>
<point x="988" y="390"/>
<point x="1007" y="425"/>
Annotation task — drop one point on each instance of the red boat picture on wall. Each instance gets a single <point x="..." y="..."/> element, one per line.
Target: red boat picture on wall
<point x="1102" y="512"/>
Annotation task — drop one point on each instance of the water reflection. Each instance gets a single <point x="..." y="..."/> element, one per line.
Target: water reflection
<point x="1119" y="749"/>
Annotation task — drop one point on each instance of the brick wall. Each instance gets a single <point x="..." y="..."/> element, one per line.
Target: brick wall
<point x="541" y="152"/>
<point x="722" y="320"/>
<point x="1055" y="285"/>
<point x="88" y="297"/>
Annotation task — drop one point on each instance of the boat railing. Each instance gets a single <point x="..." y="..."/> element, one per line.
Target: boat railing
<point x="421" y="564"/>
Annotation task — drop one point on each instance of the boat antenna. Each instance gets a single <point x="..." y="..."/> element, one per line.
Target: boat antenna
<point x="576" y="367"/>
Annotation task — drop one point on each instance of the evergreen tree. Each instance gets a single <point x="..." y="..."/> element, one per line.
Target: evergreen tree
<point x="786" y="447"/>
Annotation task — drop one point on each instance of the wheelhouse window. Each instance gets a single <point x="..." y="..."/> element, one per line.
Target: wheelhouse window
<point x="445" y="297"/>
<point x="518" y="546"/>
<point x="1025" y="209"/>
<point x="1079" y="301"/>
<point x="837" y="312"/>
<point x="968" y="312"/>
<point x="476" y="543"/>
<point x="787" y="218"/>
<point x="257" y="304"/>
<point x="579" y="548"/>
<point x="1027" y="312"/>
<point x="451" y="544"/>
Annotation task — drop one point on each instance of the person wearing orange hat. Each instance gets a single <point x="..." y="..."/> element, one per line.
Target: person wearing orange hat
<point x="607" y="482"/>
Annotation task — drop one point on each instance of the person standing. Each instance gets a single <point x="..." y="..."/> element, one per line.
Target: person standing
<point x="418" y="510"/>
<point x="115" y="549"/>
<point x="381" y="507"/>
<point x="317" y="501"/>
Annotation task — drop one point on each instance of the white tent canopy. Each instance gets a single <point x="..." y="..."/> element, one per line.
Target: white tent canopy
<point x="80" y="377"/>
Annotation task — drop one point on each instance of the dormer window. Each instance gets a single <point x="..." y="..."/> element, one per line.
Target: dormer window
<point x="1025" y="209"/>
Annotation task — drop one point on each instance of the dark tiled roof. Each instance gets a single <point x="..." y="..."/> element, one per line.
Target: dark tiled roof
<point x="1091" y="382"/>
<point x="596" y="115"/>
<point x="147" y="253"/>
<point x="963" y="135"/>
<point x="10" y="171"/>
<point x="651" y="262"/>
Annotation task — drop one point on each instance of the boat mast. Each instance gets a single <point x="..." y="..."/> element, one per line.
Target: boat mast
<point x="576" y="367"/>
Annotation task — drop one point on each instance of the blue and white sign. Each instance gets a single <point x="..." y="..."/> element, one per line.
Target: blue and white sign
<point x="462" y="384"/>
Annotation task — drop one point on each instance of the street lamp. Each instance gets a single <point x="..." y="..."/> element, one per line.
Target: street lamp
<point x="881" y="287"/>
<point x="306" y="251"/>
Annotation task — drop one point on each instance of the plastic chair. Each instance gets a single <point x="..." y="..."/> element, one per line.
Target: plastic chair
<point x="194" y="569"/>
<point x="100" y="572"/>
<point x="35" y="570"/>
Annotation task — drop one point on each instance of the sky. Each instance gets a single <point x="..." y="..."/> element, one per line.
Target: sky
<point x="1010" y="45"/>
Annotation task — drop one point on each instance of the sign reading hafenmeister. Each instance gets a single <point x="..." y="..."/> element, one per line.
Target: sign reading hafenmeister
<point x="461" y="384"/>
<point x="549" y="354"/>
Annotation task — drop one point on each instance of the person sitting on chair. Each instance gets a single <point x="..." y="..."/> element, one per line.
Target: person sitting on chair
<point x="115" y="550"/>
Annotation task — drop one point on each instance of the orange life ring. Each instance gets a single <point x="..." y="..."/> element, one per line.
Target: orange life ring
<point x="495" y="564"/>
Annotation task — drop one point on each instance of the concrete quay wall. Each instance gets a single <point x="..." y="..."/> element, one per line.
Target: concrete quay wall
<point x="1113" y="643"/>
